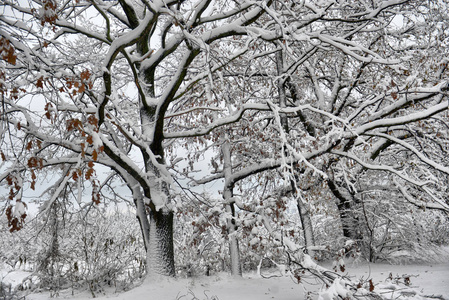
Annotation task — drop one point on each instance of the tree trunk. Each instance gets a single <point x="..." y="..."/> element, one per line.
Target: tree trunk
<point x="157" y="230"/>
<point x="346" y="210"/>
<point x="236" y="267"/>
<point x="306" y="222"/>
<point x="141" y="213"/>
<point x="160" y="254"/>
<point x="234" y="251"/>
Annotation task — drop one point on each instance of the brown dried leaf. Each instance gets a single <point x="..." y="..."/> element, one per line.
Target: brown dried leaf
<point x="85" y="75"/>
<point x="40" y="82"/>
<point x="7" y="51"/>
<point x="371" y="285"/>
<point x="75" y="176"/>
<point x="89" y="174"/>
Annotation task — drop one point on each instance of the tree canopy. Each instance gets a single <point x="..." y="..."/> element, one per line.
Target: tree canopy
<point x="286" y="97"/>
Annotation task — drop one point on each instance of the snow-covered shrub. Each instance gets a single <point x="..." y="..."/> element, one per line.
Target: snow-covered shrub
<point x="112" y="251"/>
<point x="200" y="246"/>
<point x="16" y="250"/>
<point x="391" y="229"/>
<point x="66" y="248"/>
<point x="97" y="249"/>
<point x="201" y="237"/>
<point x="375" y="221"/>
<point x="8" y="293"/>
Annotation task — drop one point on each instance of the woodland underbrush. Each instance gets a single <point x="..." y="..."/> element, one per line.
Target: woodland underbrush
<point x="101" y="252"/>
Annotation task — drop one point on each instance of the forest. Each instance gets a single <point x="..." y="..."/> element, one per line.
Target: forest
<point x="152" y="139"/>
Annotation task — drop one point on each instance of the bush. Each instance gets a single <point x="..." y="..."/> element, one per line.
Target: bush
<point x="68" y="249"/>
<point x="8" y="293"/>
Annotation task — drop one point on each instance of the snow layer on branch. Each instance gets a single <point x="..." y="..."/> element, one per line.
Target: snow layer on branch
<point x="19" y="209"/>
<point x="404" y="119"/>
<point x="336" y="291"/>
<point x="126" y="39"/>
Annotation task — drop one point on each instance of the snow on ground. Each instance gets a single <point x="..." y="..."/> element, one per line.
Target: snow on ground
<point x="430" y="280"/>
<point x="425" y="279"/>
<point x="13" y="278"/>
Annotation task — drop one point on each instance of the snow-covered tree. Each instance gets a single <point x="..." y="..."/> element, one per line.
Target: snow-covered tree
<point x="88" y="84"/>
<point x="346" y="93"/>
<point x="95" y="92"/>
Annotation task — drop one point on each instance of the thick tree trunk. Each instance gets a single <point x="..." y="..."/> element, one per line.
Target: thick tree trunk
<point x="349" y="221"/>
<point x="157" y="230"/>
<point x="160" y="254"/>
<point x="236" y="266"/>
<point x="355" y="227"/>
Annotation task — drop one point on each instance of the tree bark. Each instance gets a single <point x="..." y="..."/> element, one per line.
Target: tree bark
<point x="306" y="222"/>
<point x="141" y="213"/>
<point x="349" y="221"/>
<point x="234" y="252"/>
<point x="160" y="253"/>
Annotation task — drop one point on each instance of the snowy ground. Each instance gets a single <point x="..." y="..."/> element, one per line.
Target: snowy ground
<point x="431" y="280"/>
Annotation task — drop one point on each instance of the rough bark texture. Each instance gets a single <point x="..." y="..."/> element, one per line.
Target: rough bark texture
<point x="160" y="255"/>
<point x="349" y="220"/>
